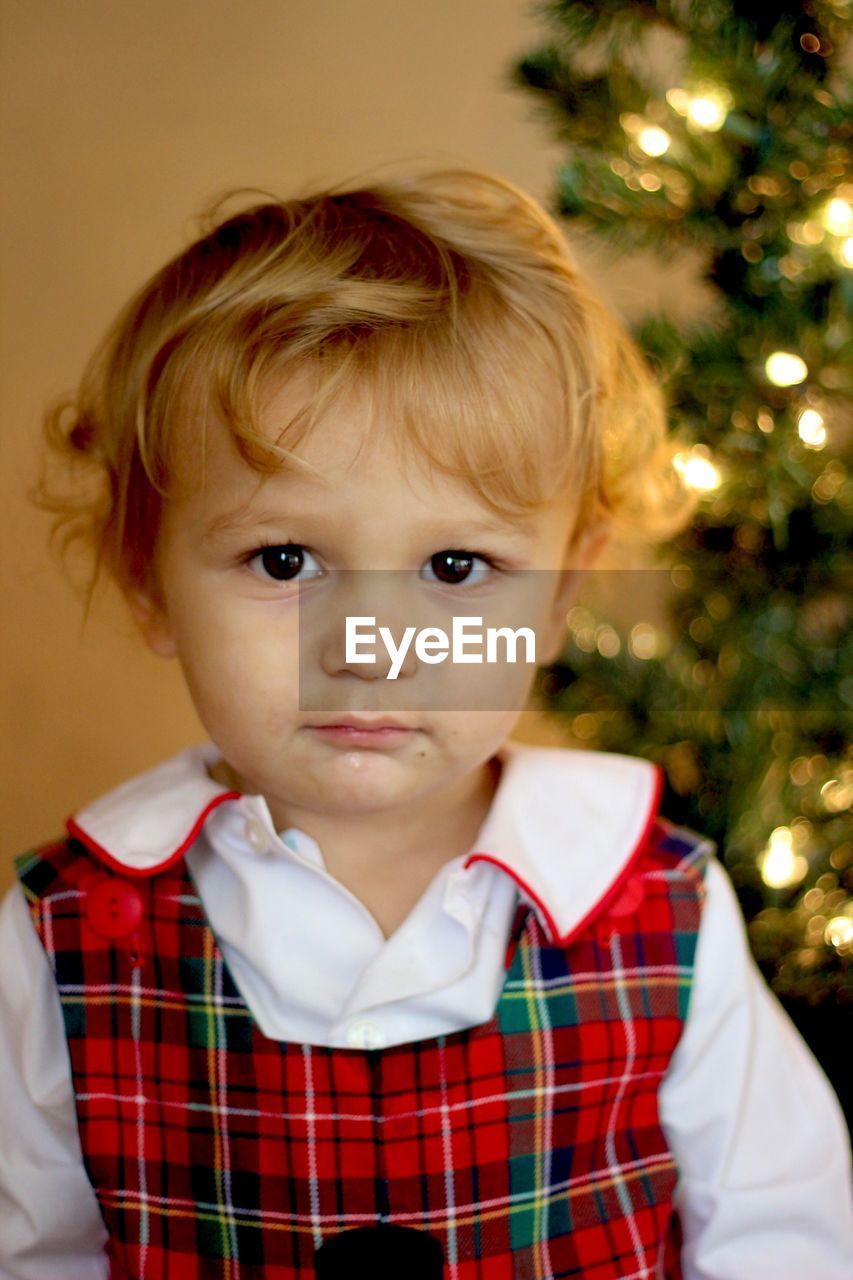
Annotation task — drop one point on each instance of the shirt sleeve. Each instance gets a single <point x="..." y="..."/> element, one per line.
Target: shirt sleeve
<point x="50" y="1222"/>
<point x="753" y="1123"/>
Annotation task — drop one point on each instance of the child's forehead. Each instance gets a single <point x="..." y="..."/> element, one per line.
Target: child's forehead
<point x="353" y="431"/>
<point x="358" y="488"/>
<point x="342" y="467"/>
<point x="349" y="455"/>
<point x="350" y="434"/>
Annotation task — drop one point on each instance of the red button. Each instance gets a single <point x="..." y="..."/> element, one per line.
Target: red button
<point x="624" y="906"/>
<point x="114" y="908"/>
<point x="628" y="901"/>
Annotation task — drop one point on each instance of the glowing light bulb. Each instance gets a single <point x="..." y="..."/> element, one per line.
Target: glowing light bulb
<point x="837" y="795"/>
<point x="784" y="369"/>
<point x="808" y="232"/>
<point x="837" y="217"/>
<point x="845" y="252"/>
<point x="679" y="100"/>
<point x="839" y="931"/>
<point x="653" y="140"/>
<point x="643" y="641"/>
<point x="697" y="470"/>
<point x="708" y="111"/>
<point x="780" y="866"/>
<point x="607" y="641"/>
<point x="811" y="429"/>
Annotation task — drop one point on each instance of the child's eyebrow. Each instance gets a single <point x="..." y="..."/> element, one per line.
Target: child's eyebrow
<point x="460" y="527"/>
<point x="461" y="524"/>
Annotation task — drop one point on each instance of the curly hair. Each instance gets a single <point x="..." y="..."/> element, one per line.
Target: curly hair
<point x="450" y="294"/>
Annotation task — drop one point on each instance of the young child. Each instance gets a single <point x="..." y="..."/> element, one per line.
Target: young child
<point x="328" y="995"/>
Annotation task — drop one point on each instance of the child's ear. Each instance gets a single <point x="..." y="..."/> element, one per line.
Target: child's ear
<point x="584" y="556"/>
<point x="152" y="619"/>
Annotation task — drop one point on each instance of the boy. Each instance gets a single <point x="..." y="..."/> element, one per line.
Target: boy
<point x="337" y="996"/>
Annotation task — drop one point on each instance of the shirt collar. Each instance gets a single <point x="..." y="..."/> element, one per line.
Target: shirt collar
<point x="567" y="825"/>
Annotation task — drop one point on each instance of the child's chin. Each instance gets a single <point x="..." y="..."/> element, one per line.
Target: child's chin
<point x="367" y="779"/>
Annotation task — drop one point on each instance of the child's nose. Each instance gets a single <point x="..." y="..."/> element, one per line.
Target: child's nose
<point x="349" y="625"/>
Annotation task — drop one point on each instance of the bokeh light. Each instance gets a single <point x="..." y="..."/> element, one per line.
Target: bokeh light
<point x="837" y="216"/>
<point x="780" y="865"/>
<point x="697" y="470"/>
<point x="653" y="140"/>
<point x="784" y="369"/>
<point x="811" y="429"/>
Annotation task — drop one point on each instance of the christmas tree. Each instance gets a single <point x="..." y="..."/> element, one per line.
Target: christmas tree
<point x="741" y="154"/>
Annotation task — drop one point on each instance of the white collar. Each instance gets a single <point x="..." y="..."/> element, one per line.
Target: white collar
<point x="565" y="824"/>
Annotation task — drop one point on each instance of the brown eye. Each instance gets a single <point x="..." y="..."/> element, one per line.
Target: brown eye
<point x="453" y="567"/>
<point x="280" y="563"/>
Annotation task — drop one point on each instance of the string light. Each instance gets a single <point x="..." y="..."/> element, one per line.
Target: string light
<point x="706" y="109"/>
<point x="643" y="640"/>
<point x="654" y="140"/>
<point x="650" y="138"/>
<point x="845" y="252"/>
<point x="808" y="232"/>
<point x="837" y="793"/>
<point x="582" y="626"/>
<point x="811" y="429"/>
<point x="607" y="641"/>
<point x="837" y="217"/>
<point x="696" y="469"/>
<point x="708" y="112"/>
<point x="780" y="866"/>
<point x="839" y="932"/>
<point x="784" y="369"/>
<point x="679" y="100"/>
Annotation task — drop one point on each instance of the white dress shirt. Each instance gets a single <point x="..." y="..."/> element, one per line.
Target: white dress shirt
<point x="755" y="1129"/>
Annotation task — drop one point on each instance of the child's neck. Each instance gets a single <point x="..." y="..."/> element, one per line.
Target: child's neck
<point x="388" y="871"/>
<point x="387" y="860"/>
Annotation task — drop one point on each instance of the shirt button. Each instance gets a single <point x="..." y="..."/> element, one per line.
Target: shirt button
<point x="258" y="836"/>
<point x="114" y="908"/>
<point x="365" y="1035"/>
<point x="628" y="901"/>
<point x="617" y="916"/>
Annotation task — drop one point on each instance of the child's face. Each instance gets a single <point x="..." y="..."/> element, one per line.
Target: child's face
<point x="234" y="627"/>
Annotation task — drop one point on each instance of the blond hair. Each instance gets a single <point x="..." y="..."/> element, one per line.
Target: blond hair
<point x="451" y="295"/>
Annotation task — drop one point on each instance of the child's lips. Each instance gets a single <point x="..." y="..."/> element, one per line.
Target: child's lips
<point x="357" y="735"/>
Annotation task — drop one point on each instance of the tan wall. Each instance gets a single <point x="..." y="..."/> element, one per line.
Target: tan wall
<point x="119" y="121"/>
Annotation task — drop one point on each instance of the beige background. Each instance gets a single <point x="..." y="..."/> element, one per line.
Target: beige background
<point x="119" y="122"/>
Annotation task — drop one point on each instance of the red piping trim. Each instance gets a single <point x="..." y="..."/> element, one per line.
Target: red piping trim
<point x="612" y="892"/>
<point x="496" y="862"/>
<point x="107" y="858"/>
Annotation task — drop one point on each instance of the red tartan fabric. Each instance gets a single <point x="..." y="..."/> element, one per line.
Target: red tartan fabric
<point x="529" y="1146"/>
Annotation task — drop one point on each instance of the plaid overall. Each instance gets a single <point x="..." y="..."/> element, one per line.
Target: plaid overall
<point x="529" y="1146"/>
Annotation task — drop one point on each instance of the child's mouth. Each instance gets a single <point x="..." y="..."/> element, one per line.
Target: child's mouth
<point x="356" y="736"/>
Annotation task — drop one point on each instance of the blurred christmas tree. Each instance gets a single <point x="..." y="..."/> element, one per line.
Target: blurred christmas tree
<point x="742" y="155"/>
